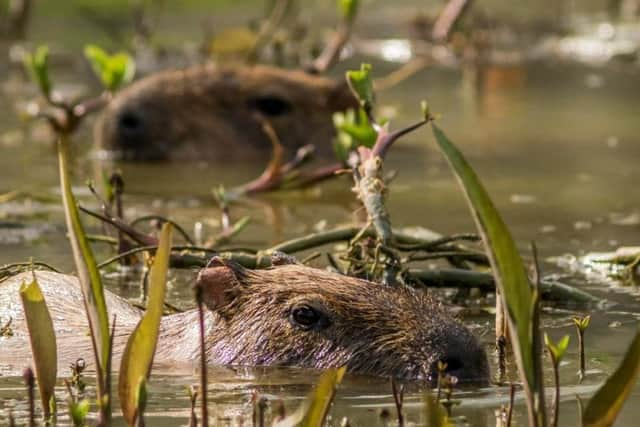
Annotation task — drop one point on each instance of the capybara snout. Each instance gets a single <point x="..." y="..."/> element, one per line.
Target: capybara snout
<point x="207" y="113"/>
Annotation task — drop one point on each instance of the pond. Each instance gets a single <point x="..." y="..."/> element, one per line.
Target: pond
<point x="554" y="139"/>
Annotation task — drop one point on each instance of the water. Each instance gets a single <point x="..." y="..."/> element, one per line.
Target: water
<point x="555" y="141"/>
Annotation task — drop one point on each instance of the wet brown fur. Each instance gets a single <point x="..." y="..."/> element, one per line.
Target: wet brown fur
<point x="372" y="329"/>
<point x="209" y="113"/>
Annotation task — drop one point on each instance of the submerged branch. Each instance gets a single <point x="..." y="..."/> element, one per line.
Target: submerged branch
<point x="551" y="289"/>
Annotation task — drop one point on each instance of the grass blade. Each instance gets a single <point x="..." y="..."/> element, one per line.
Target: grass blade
<point x="509" y="271"/>
<point x="314" y="411"/>
<point x="322" y="397"/>
<point x="434" y="414"/>
<point x="90" y="280"/>
<point x="141" y="346"/>
<point x="43" y="341"/>
<point x="605" y="405"/>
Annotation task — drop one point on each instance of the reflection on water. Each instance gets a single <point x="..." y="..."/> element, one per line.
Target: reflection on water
<point x="555" y="141"/>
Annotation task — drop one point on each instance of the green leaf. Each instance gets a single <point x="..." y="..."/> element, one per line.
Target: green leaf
<point x="582" y="322"/>
<point x="605" y="405"/>
<point x="89" y="276"/>
<point x="361" y="84"/>
<point x="313" y="412"/>
<point x="557" y="349"/>
<point x="141" y="346"/>
<point x="79" y="411"/>
<point x="114" y="70"/>
<point x="37" y="65"/>
<point x="322" y="397"/>
<point x="352" y="132"/>
<point x="348" y="9"/>
<point x="433" y="412"/>
<point x="426" y="112"/>
<point x="43" y="341"/>
<point x="508" y="268"/>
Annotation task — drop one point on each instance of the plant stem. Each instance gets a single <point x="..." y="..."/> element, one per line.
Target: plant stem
<point x="29" y="380"/>
<point x="203" y="359"/>
<point x="398" y="397"/>
<point x="556" y="394"/>
<point x="581" y="372"/>
<point x="512" y="394"/>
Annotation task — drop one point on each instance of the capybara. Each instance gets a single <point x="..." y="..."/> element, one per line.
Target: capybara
<point x="211" y="113"/>
<point x="287" y="315"/>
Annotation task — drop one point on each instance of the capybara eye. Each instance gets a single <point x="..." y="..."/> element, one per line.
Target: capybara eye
<point x="271" y="106"/>
<point x="307" y="318"/>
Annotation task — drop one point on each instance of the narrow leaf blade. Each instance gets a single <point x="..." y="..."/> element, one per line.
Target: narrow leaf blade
<point x="88" y="274"/>
<point x="508" y="268"/>
<point x="42" y="338"/>
<point x="141" y="346"/>
<point x="605" y="405"/>
<point x="322" y="397"/>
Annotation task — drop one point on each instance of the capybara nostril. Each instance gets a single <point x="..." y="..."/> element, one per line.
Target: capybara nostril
<point x="130" y="127"/>
<point x="453" y="365"/>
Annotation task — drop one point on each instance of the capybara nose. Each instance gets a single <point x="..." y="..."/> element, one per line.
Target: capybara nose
<point x="469" y="368"/>
<point x="463" y="356"/>
<point x="130" y="129"/>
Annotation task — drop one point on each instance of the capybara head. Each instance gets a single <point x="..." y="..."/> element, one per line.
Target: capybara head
<point x="209" y="113"/>
<point x="300" y="316"/>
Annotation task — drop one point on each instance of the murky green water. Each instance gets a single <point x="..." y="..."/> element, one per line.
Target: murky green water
<point x="556" y="142"/>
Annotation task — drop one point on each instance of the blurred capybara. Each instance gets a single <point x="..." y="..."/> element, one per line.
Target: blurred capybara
<point x="288" y="315"/>
<point x="210" y="113"/>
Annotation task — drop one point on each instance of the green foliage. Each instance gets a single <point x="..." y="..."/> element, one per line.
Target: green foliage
<point x="313" y="412"/>
<point x="605" y="405"/>
<point x="43" y="341"/>
<point x="508" y="268"/>
<point x="322" y="397"/>
<point x="137" y="358"/>
<point x="582" y="323"/>
<point x="361" y="83"/>
<point x="424" y="107"/>
<point x="352" y="131"/>
<point x="348" y="9"/>
<point x="558" y="349"/>
<point x="90" y="281"/>
<point x="433" y="412"/>
<point x="37" y="66"/>
<point x="114" y="71"/>
<point x="79" y="411"/>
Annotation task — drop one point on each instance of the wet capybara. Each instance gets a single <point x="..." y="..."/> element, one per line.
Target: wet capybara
<point x="288" y="315"/>
<point x="210" y="113"/>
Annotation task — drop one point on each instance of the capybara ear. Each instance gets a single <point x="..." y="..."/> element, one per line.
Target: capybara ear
<point x="219" y="282"/>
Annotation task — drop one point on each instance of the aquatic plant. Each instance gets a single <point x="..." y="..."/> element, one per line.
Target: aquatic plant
<point x="513" y="285"/>
<point x="137" y="358"/>
<point x="556" y="352"/>
<point x="604" y="407"/>
<point x="581" y="323"/>
<point x="114" y="71"/>
<point x="66" y="115"/>
<point x="43" y="343"/>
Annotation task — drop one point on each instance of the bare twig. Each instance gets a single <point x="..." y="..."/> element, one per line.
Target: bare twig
<point x="118" y="223"/>
<point x="447" y="19"/>
<point x="29" y="380"/>
<point x="269" y="27"/>
<point x="203" y="356"/>
<point x="18" y="18"/>
<point x="398" y="398"/>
